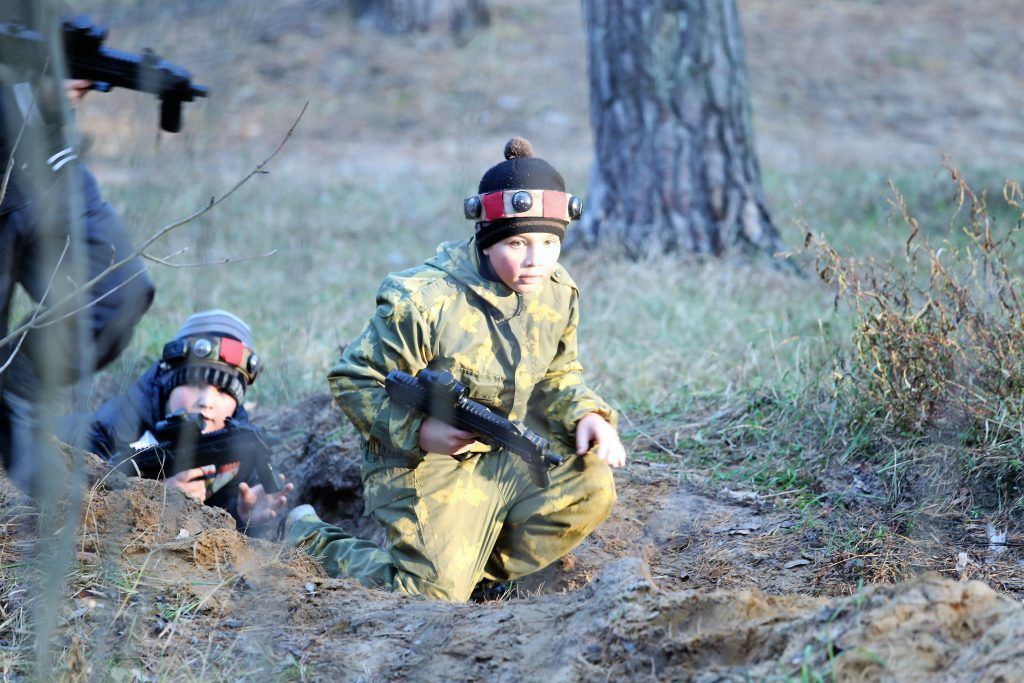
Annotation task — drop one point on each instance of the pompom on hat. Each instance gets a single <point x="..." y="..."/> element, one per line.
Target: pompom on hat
<point x="521" y="194"/>
<point x="212" y="347"/>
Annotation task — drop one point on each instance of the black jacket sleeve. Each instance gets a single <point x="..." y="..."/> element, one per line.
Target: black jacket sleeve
<point x="124" y="418"/>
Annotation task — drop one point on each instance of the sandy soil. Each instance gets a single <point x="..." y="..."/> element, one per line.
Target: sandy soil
<point x="680" y="584"/>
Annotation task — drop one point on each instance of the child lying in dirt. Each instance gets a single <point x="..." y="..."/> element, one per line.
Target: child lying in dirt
<point x="204" y="370"/>
<point x="498" y="312"/>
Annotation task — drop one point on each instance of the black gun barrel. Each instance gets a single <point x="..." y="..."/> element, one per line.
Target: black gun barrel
<point x="146" y="73"/>
<point x="88" y="58"/>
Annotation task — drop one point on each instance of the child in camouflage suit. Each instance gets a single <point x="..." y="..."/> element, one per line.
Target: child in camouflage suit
<point x="500" y="314"/>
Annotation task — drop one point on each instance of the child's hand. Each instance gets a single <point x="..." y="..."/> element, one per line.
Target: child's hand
<point x="77" y="89"/>
<point x="594" y="428"/>
<point x="437" y="437"/>
<point x="256" y="506"/>
<point x="193" y="481"/>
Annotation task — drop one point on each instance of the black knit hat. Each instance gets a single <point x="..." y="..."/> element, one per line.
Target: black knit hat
<point x="212" y="347"/>
<point x="522" y="184"/>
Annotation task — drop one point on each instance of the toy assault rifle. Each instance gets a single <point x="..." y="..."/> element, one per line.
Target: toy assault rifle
<point x="182" y="446"/>
<point x="441" y="396"/>
<point x="87" y="58"/>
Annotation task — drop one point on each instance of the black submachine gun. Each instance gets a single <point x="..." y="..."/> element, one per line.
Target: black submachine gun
<point x="441" y="396"/>
<point x="182" y="446"/>
<point x="89" y="59"/>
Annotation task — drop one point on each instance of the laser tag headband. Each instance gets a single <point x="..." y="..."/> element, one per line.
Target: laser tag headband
<point x="521" y="194"/>
<point x="213" y="347"/>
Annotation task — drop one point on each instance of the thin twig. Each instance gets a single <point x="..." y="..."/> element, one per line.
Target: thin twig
<point x="218" y="262"/>
<point x="46" y="318"/>
<point x="653" y="440"/>
<point x="39" y="308"/>
<point x="21" y="131"/>
<point x="165" y="260"/>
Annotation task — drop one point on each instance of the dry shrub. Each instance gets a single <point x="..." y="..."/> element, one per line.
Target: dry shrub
<point x="938" y="334"/>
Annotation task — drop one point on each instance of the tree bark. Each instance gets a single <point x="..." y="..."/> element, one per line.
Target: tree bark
<point x="675" y="167"/>
<point x="408" y="16"/>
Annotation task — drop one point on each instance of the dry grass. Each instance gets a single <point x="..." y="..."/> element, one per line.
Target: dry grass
<point x="938" y="335"/>
<point x="125" y="606"/>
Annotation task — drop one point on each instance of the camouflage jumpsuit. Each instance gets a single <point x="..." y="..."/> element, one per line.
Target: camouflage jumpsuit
<point x="450" y="523"/>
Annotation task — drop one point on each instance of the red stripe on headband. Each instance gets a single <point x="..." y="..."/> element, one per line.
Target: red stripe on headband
<point x="494" y="206"/>
<point x="232" y="351"/>
<point x="555" y="204"/>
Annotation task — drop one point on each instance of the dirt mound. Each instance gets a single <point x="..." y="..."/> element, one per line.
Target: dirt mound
<point x="929" y="629"/>
<point x="319" y="452"/>
<point x="621" y="626"/>
<point x="148" y="513"/>
<point x="158" y="571"/>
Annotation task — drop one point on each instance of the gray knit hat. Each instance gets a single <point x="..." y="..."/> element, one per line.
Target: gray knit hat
<point x="218" y="322"/>
<point x="212" y="347"/>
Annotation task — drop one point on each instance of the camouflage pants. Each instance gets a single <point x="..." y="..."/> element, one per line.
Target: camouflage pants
<point x="466" y="521"/>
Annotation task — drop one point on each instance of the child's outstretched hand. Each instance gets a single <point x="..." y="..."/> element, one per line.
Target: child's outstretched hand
<point x="256" y="506"/>
<point x="593" y="428"/>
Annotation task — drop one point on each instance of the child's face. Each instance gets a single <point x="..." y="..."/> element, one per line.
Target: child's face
<point x="213" y="403"/>
<point x="525" y="262"/>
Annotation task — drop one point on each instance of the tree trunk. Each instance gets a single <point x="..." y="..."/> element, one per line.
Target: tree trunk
<point x="675" y="168"/>
<point x="408" y="16"/>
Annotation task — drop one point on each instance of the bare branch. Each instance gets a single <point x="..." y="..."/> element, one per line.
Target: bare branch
<point x="214" y="201"/>
<point x="95" y="301"/>
<point x="218" y="262"/>
<point x="17" y="141"/>
<point x="39" y="308"/>
<point x="49" y="317"/>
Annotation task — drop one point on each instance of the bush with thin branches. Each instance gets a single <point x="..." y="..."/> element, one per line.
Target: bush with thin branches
<point x="938" y="335"/>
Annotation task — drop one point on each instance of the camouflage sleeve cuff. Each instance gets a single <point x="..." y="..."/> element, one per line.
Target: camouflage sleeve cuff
<point x="397" y="431"/>
<point x="589" y="405"/>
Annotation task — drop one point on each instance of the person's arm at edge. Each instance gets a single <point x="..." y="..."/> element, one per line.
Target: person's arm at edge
<point x="395" y="337"/>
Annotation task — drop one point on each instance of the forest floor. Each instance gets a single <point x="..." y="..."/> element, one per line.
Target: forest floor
<point x="685" y="581"/>
<point x="693" y="577"/>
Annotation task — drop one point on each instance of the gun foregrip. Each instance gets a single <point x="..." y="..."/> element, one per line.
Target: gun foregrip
<point x="268" y="477"/>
